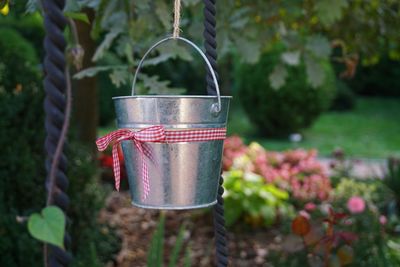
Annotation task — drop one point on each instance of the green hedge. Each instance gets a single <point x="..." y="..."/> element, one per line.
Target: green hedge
<point x="294" y="106"/>
<point x="18" y="62"/>
<point x="381" y="79"/>
<point x="29" y="26"/>
<point x="21" y="140"/>
<point x="22" y="172"/>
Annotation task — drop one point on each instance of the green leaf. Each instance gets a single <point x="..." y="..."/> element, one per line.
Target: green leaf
<point x="119" y="77"/>
<point x="315" y="72"/>
<point x="278" y="76"/>
<point x="157" y="60"/>
<point x="291" y="58"/>
<point x="268" y="213"/>
<point x="187" y="262"/>
<point x="155" y="254"/>
<point x="90" y="72"/>
<point x="105" y="45"/>
<point x="77" y="16"/>
<point x="164" y="14"/>
<point x="267" y="196"/>
<point x="190" y="2"/>
<point x="393" y="245"/>
<point x="240" y="18"/>
<point x="250" y="50"/>
<point x="124" y="48"/>
<point x="72" y="6"/>
<point x="100" y="7"/>
<point x="32" y="6"/>
<point x="177" y="247"/>
<point x="233" y="210"/>
<point x="159" y="87"/>
<point x="49" y="226"/>
<point x="319" y="46"/>
<point x="329" y="11"/>
<point x="4" y="3"/>
<point x="279" y="193"/>
<point x="174" y="50"/>
<point x="169" y="51"/>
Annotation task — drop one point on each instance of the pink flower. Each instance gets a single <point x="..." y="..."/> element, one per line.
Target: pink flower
<point x="310" y="206"/>
<point x="383" y="219"/>
<point x="356" y="205"/>
<point x="305" y="214"/>
<point x="348" y="221"/>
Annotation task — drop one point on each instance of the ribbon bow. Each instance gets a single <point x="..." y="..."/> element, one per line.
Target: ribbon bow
<point x="155" y="134"/>
<point x="150" y="134"/>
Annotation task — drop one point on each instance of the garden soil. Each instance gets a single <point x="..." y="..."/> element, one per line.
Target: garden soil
<point x="135" y="228"/>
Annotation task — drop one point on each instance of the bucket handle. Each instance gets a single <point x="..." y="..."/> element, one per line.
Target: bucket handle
<point x="216" y="107"/>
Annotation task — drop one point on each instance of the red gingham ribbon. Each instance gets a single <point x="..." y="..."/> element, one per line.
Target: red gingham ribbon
<point x="153" y="134"/>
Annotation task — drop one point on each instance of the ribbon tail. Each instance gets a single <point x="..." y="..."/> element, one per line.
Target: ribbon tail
<point x="116" y="166"/>
<point x="148" y="152"/>
<point x="144" y="171"/>
<point x="146" y="183"/>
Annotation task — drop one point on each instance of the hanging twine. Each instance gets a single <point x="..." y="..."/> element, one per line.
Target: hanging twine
<point x="177" y="18"/>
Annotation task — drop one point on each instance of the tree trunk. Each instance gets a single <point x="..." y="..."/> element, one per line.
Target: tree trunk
<point x="85" y="91"/>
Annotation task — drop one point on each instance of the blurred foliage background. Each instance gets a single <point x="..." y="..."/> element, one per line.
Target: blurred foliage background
<point x="310" y="34"/>
<point x="22" y="167"/>
<point x="325" y="69"/>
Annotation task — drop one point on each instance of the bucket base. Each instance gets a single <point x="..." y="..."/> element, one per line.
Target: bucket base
<point x="174" y="207"/>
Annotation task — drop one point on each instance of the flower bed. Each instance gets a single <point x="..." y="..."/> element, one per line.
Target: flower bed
<point x="336" y="225"/>
<point x="296" y="171"/>
<point x="306" y="220"/>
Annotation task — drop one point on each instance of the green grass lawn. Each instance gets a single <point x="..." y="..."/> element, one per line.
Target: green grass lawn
<point x="371" y="130"/>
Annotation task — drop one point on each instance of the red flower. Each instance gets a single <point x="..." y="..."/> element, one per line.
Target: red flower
<point x="106" y="161"/>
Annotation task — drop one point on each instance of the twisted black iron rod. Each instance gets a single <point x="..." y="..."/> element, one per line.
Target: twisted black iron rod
<point x="54" y="105"/>
<point x="210" y="44"/>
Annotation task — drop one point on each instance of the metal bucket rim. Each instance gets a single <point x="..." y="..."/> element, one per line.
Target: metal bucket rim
<point x="169" y="96"/>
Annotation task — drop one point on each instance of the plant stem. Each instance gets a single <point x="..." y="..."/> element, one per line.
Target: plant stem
<point x="57" y="154"/>
<point x="61" y="141"/>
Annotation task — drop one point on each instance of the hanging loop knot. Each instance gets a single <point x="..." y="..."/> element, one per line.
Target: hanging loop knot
<point x="150" y="134"/>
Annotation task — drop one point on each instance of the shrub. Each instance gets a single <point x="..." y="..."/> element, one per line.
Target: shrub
<point x="372" y="191"/>
<point x="22" y="171"/>
<point x="340" y="238"/>
<point x="295" y="171"/>
<point x="29" y="26"/>
<point x="18" y="63"/>
<point x="233" y="148"/>
<point x="288" y="109"/>
<point x="392" y="180"/>
<point x="378" y="80"/>
<point x="93" y="244"/>
<point x="248" y="197"/>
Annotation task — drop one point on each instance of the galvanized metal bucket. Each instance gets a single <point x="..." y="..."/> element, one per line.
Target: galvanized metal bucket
<point x="187" y="174"/>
